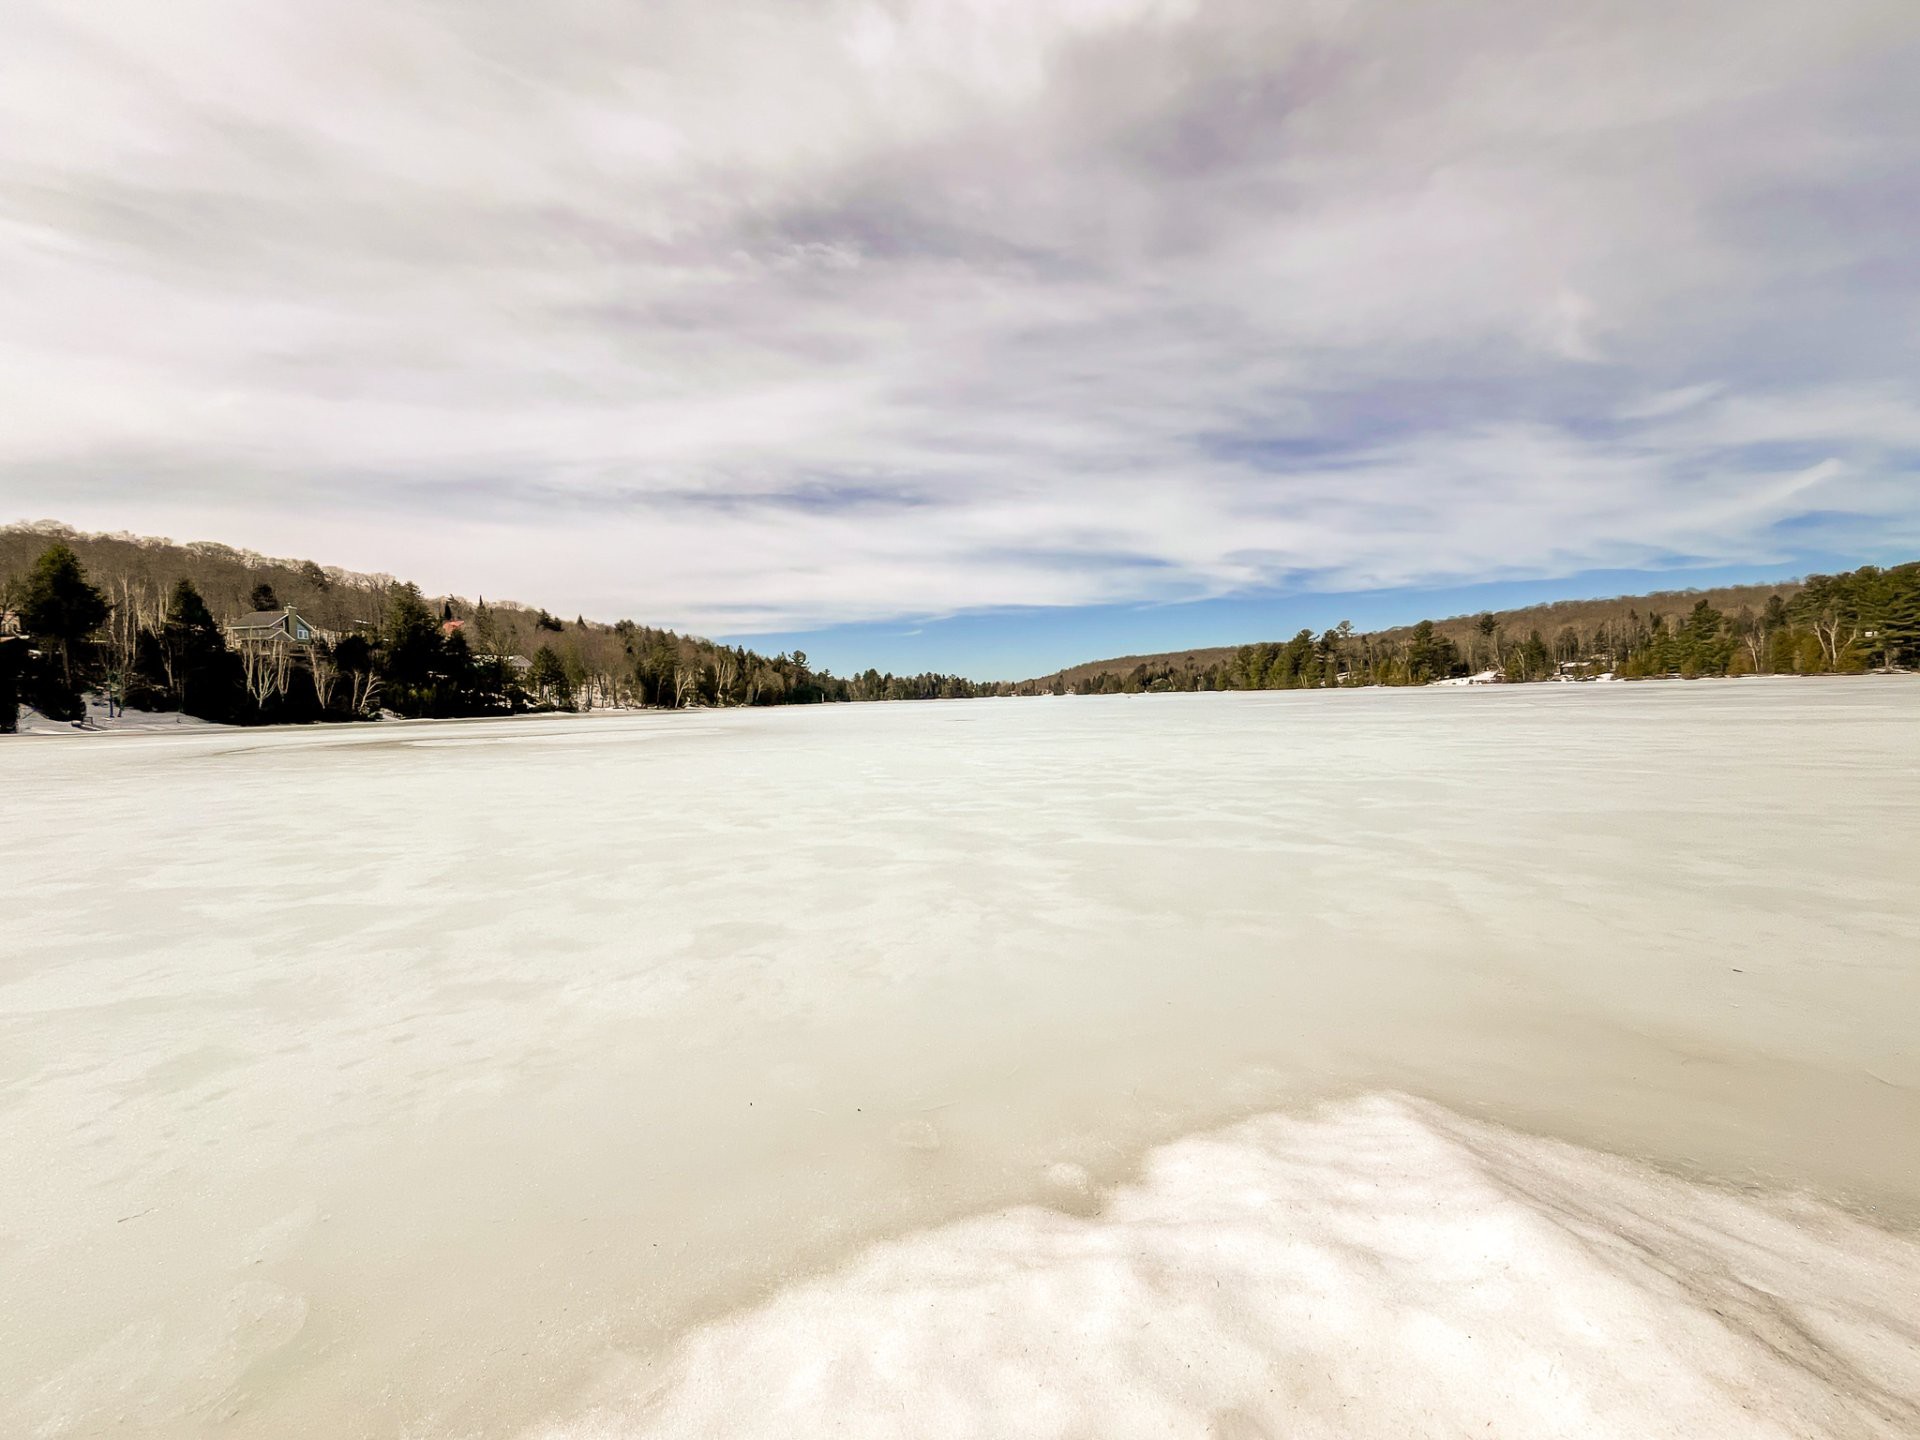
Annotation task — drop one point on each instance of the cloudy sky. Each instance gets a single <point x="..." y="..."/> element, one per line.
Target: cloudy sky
<point x="769" y="316"/>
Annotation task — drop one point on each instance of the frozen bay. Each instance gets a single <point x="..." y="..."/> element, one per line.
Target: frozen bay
<point x="622" y="1074"/>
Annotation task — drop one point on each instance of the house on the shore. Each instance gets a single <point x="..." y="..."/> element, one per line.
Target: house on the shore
<point x="516" y="665"/>
<point x="273" y="644"/>
<point x="271" y="627"/>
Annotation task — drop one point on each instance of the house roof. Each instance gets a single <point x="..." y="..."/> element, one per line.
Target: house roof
<point x="264" y="621"/>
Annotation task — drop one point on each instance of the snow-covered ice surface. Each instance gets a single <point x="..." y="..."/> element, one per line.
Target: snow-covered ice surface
<point x="1498" y="1061"/>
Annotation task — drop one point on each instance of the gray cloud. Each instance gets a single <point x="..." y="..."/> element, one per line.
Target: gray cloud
<point x="770" y="314"/>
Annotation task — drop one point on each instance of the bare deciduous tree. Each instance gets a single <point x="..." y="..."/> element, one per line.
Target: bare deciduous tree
<point x="267" y="665"/>
<point x="326" y="673"/>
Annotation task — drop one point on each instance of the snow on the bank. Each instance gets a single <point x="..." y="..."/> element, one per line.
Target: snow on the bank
<point x="100" y="720"/>
<point x="1382" y="1268"/>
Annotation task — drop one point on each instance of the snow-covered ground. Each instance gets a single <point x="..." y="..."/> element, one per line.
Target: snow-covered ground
<point x="102" y="719"/>
<point x="1509" y="1061"/>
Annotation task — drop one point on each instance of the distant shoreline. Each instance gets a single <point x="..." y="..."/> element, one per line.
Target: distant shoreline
<point x="149" y="723"/>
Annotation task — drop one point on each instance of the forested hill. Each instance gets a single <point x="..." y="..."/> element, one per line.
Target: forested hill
<point x="147" y="622"/>
<point x="1860" y="620"/>
<point x="1548" y="619"/>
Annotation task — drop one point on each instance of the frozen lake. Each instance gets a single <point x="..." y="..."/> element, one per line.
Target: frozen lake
<point x="1524" y="1061"/>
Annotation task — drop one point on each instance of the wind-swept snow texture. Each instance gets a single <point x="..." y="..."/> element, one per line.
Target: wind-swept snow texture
<point x="1530" y="1061"/>
<point x="1381" y="1269"/>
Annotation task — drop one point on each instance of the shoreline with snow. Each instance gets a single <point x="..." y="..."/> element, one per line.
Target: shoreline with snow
<point x="166" y="722"/>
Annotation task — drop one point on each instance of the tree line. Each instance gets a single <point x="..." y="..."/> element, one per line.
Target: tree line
<point x="1860" y="620"/>
<point x="138" y="622"/>
<point x="136" y="628"/>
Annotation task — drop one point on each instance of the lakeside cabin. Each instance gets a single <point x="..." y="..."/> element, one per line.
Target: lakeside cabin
<point x="268" y="627"/>
<point x="517" y="665"/>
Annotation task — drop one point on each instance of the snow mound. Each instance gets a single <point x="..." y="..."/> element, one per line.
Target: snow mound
<point x="1382" y="1268"/>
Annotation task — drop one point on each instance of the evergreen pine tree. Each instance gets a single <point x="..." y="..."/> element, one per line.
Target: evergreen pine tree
<point x="203" y="674"/>
<point x="13" y="664"/>
<point x="60" y="609"/>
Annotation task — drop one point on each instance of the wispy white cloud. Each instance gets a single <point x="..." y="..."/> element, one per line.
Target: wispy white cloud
<point x="1670" y="402"/>
<point x="774" y="314"/>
